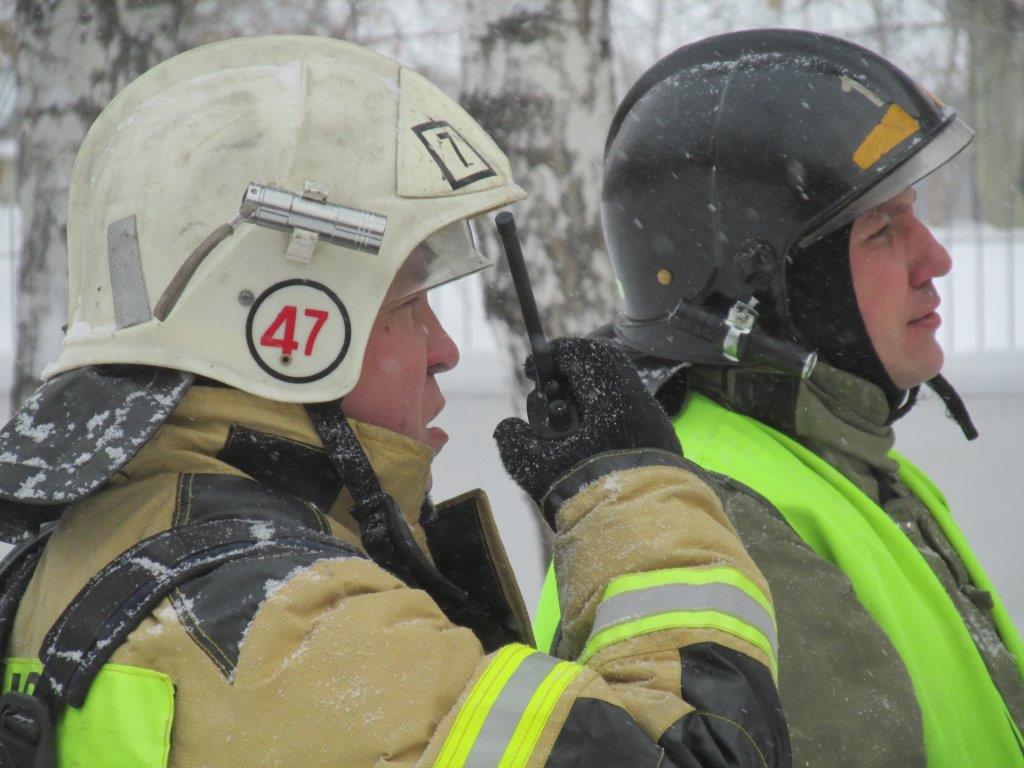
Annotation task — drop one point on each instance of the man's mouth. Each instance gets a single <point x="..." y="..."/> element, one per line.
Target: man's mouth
<point x="928" y="315"/>
<point x="930" y="321"/>
<point x="435" y="436"/>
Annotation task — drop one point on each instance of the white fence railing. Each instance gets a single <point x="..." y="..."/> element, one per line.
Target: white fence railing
<point x="983" y="296"/>
<point x="983" y="307"/>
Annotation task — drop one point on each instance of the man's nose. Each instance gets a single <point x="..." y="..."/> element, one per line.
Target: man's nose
<point x="442" y="351"/>
<point x="931" y="258"/>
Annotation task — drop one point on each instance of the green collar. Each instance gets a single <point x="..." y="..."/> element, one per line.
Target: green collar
<point x="838" y="416"/>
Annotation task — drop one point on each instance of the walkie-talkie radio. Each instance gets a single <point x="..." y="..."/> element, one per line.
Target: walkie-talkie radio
<point x="549" y="407"/>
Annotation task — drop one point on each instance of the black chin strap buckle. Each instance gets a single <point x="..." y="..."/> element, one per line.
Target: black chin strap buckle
<point x="386" y="535"/>
<point x="382" y="528"/>
<point x="27" y="737"/>
<point x="740" y="340"/>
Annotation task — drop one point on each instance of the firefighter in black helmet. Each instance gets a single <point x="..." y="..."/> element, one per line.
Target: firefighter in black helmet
<point x="777" y="291"/>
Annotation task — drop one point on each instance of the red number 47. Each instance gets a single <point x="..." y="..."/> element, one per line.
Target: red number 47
<point x="281" y="332"/>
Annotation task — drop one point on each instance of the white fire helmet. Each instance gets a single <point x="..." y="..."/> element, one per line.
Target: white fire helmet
<point x="242" y="210"/>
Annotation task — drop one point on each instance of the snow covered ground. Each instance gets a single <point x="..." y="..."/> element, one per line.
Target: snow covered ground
<point x="983" y="332"/>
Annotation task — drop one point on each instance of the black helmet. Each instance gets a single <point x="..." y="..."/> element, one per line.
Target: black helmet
<point x="731" y="154"/>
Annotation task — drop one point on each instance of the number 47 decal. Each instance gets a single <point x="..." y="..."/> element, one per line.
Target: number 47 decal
<point x="281" y="332"/>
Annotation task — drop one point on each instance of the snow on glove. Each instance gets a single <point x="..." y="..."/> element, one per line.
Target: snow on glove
<point x="620" y="422"/>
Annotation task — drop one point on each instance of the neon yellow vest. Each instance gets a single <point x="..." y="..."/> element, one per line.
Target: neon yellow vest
<point x="966" y="722"/>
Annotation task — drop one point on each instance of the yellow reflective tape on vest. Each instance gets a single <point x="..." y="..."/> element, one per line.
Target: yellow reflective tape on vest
<point x="708" y="598"/>
<point x="548" y="616"/>
<point x="505" y="713"/>
<point x="125" y="721"/>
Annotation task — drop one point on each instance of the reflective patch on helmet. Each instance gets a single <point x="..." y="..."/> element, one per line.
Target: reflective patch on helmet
<point x="127" y="283"/>
<point x="458" y="160"/>
<point x="895" y="126"/>
<point x="298" y="331"/>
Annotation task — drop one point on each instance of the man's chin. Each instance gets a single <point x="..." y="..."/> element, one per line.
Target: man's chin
<point x="917" y="368"/>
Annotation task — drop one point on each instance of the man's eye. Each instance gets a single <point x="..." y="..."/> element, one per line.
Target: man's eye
<point x="882" y="232"/>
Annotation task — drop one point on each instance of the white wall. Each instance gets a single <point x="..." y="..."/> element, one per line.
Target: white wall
<point x="979" y="479"/>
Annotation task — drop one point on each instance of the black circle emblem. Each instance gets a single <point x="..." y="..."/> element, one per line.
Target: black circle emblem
<point x="298" y="331"/>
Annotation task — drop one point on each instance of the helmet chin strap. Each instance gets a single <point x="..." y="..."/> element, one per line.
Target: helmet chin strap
<point x="903" y="409"/>
<point x="954" y="405"/>
<point x="382" y="528"/>
<point x="384" y="531"/>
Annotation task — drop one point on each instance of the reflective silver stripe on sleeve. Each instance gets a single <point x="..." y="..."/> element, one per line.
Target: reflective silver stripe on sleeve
<point x="507" y="710"/>
<point x="670" y="598"/>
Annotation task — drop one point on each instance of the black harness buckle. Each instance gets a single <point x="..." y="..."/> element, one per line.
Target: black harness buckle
<point x="26" y="732"/>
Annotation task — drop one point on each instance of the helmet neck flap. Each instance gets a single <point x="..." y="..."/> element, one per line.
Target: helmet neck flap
<point x="824" y="313"/>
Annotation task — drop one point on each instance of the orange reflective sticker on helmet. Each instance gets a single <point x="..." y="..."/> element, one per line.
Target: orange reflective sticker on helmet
<point x="896" y="125"/>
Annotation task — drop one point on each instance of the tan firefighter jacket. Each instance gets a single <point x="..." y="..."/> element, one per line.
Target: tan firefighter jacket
<point x="668" y="641"/>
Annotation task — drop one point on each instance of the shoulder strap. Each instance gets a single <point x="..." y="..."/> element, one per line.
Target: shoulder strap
<point x="113" y="603"/>
<point x="16" y="571"/>
<point x="116" y="599"/>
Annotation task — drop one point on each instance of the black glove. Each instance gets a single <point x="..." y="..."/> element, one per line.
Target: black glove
<point x="617" y="414"/>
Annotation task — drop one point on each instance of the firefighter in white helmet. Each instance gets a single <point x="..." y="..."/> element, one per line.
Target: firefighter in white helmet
<point x="219" y="568"/>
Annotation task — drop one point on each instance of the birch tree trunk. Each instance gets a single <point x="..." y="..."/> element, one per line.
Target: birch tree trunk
<point x="995" y="94"/>
<point x="73" y="56"/>
<point x="996" y="40"/>
<point x="538" y="77"/>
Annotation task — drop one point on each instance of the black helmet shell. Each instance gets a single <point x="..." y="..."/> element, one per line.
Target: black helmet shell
<point x="730" y="153"/>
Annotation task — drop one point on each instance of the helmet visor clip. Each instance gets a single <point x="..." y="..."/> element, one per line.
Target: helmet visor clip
<point x="739" y="322"/>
